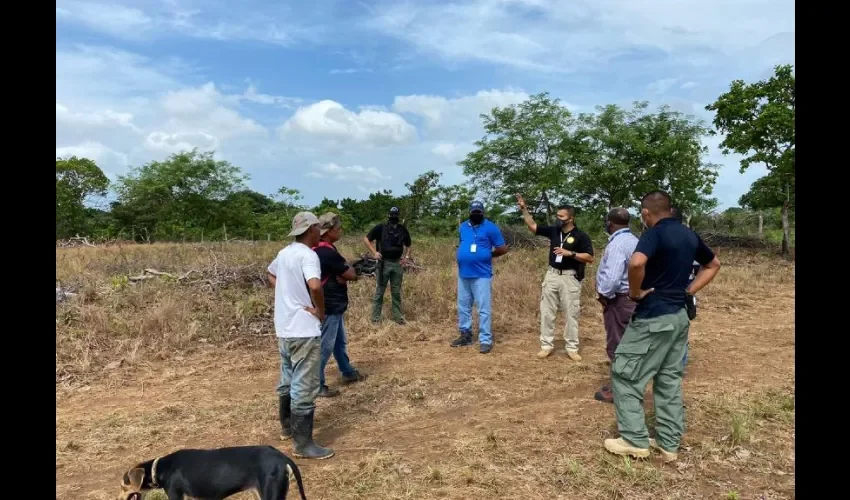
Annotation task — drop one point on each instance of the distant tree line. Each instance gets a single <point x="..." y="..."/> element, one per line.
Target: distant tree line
<point x="593" y="161"/>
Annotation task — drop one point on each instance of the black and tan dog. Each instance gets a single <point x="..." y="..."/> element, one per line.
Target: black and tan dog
<point x="214" y="474"/>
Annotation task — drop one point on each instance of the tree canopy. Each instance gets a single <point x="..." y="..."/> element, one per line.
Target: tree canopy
<point x="758" y="122"/>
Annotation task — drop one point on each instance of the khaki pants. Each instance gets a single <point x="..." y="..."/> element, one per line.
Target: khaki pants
<point x="560" y="292"/>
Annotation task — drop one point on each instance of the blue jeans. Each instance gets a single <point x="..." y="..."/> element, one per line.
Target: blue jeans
<point x="334" y="342"/>
<point x="474" y="291"/>
<point x="299" y="371"/>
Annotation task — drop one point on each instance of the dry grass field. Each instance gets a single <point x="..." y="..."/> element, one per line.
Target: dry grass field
<point x="146" y="367"/>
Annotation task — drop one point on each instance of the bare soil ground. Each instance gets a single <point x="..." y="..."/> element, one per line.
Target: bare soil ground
<point x="148" y="368"/>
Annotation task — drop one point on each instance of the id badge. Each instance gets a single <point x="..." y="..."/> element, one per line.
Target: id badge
<point x="473" y="248"/>
<point x="559" y="258"/>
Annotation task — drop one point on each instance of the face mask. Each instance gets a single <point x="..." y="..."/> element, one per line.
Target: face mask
<point x="393" y="219"/>
<point x="476" y="218"/>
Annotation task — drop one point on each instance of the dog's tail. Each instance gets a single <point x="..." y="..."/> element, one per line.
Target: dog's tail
<point x="292" y="469"/>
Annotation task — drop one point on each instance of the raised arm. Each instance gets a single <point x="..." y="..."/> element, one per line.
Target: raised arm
<point x="526" y="217"/>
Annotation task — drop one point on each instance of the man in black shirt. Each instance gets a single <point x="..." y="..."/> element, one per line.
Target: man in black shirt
<point x="570" y="252"/>
<point x="654" y="342"/>
<point x="392" y="246"/>
<point x="336" y="273"/>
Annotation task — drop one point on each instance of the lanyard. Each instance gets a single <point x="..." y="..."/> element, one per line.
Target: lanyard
<point x="567" y="235"/>
<point x="618" y="233"/>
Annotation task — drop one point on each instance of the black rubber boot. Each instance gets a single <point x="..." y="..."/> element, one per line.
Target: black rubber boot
<point x="302" y="435"/>
<point x="284" y="411"/>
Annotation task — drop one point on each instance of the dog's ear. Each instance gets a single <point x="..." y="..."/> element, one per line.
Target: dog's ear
<point x="136" y="477"/>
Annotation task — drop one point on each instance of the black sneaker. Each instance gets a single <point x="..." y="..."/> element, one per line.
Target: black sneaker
<point x="401" y="322"/>
<point x="485" y="348"/>
<point x="327" y="392"/>
<point x="465" y="339"/>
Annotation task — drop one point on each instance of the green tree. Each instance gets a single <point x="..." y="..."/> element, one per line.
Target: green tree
<point x="770" y="191"/>
<point x="186" y="192"/>
<point x="77" y="180"/>
<point x="621" y="155"/>
<point x="525" y="149"/>
<point x="421" y="195"/>
<point x="758" y="120"/>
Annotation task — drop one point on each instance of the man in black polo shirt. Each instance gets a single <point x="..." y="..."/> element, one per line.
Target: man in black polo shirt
<point x="654" y="342"/>
<point x="570" y="252"/>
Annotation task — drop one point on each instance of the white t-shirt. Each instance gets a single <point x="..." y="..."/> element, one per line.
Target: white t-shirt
<point x="293" y="267"/>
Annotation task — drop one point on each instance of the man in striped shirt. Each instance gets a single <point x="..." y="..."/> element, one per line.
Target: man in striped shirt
<point x="612" y="285"/>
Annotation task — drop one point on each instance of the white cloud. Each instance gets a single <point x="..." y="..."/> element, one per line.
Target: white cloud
<point x="349" y="71"/>
<point x="180" y="141"/>
<point x="439" y="111"/>
<point x="115" y="101"/>
<point x="448" y="151"/>
<point x="203" y="110"/>
<point x="251" y="95"/>
<point x="105" y="118"/>
<point x="111" y="18"/>
<point x="96" y="152"/>
<point x="662" y="86"/>
<point x="353" y="173"/>
<point x="272" y="23"/>
<point x="330" y="120"/>
<point x="564" y="37"/>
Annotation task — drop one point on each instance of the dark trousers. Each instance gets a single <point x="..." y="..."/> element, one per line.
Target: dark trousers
<point x="616" y="314"/>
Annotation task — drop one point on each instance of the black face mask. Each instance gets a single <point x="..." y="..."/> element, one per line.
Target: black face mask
<point x="476" y="219"/>
<point x="393" y="219"/>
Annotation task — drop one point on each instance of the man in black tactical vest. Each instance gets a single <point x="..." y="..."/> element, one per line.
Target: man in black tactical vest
<point x="393" y="247"/>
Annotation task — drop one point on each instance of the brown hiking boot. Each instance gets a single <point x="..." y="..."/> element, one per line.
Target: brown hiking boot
<point x="666" y="456"/>
<point x="544" y="353"/>
<point x="620" y="446"/>
<point x="573" y="355"/>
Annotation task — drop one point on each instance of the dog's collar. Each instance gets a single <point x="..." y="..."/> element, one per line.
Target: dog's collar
<point x="153" y="473"/>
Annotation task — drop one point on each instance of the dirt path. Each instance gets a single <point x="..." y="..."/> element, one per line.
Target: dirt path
<point x="436" y="422"/>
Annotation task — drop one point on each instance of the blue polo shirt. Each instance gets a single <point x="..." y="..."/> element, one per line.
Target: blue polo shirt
<point x="485" y="237"/>
<point x="671" y="249"/>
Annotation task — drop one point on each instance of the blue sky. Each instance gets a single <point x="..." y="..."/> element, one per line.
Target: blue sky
<point x="341" y="98"/>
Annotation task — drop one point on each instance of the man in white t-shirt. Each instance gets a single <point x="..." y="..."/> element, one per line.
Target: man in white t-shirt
<point x="299" y="309"/>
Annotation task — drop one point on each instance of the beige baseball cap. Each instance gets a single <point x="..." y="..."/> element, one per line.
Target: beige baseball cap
<point x="328" y="221"/>
<point x="302" y="222"/>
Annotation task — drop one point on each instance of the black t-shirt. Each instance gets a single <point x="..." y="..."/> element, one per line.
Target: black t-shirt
<point x="333" y="265"/>
<point x="575" y="241"/>
<point x="671" y="249"/>
<point x="390" y="239"/>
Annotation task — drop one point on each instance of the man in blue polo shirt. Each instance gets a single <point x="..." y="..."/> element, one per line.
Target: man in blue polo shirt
<point x="480" y="241"/>
<point x="653" y="344"/>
